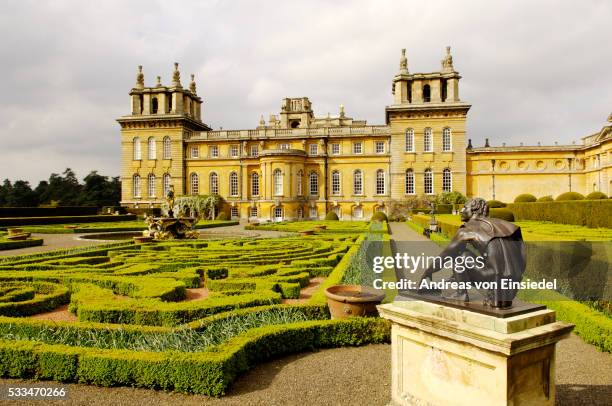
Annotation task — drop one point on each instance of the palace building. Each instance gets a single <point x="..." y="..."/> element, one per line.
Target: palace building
<point x="300" y="166"/>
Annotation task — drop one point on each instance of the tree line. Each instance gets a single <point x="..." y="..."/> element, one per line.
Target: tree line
<point x="63" y="190"/>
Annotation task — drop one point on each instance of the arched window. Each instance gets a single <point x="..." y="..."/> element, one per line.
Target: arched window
<point x="335" y="183"/>
<point x="151" y="183"/>
<point x="300" y="175"/>
<point x="136" y="148"/>
<point x="446" y="139"/>
<point x="409" y="182"/>
<point x="167" y="148"/>
<point x="194" y="181"/>
<point x="233" y="184"/>
<point x="314" y="183"/>
<point x="154" y="105"/>
<point x="427" y="140"/>
<point x="410" y="140"/>
<point x="151" y="148"/>
<point x="426" y="94"/>
<point x="428" y="182"/>
<point x="214" y="183"/>
<point x="255" y="184"/>
<point x="277" y="176"/>
<point x="358" y="212"/>
<point x="380" y="182"/>
<point x="167" y="180"/>
<point x="358" y="182"/>
<point x="447" y="180"/>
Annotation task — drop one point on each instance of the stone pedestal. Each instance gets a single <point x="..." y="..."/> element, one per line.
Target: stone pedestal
<point x="449" y="356"/>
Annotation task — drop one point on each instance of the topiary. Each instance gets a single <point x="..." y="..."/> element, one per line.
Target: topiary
<point x="548" y="198"/>
<point x="331" y="216"/>
<point x="379" y="216"/>
<point x="525" y="198"/>
<point x="596" y="196"/>
<point x="223" y="216"/>
<point x="495" y="204"/>
<point x="501" y="213"/>
<point x="569" y="196"/>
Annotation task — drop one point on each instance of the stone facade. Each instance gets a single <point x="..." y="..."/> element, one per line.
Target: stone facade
<point x="297" y="165"/>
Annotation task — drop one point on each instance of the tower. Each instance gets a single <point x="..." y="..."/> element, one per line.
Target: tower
<point x="153" y="139"/>
<point x="427" y="123"/>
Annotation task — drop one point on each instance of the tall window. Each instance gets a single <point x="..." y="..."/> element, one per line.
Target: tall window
<point x="447" y="180"/>
<point x="194" y="181"/>
<point x="409" y="182"/>
<point x="427" y="140"/>
<point x="410" y="140"/>
<point x="136" y="148"/>
<point x="426" y="93"/>
<point x="167" y="180"/>
<point x="234" y="213"/>
<point x="335" y="183"/>
<point x="234" y="151"/>
<point x="151" y="182"/>
<point x="195" y="152"/>
<point x="167" y="148"/>
<point x="152" y="148"/>
<point x="278" y="182"/>
<point x="314" y="183"/>
<point x="380" y="182"/>
<point x="255" y="184"/>
<point x="428" y="182"/>
<point x="253" y="211"/>
<point x="233" y="184"/>
<point x="136" y="185"/>
<point x="300" y="175"/>
<point x="358" y="182"/>
<point x="278" y="213"/>
<point x="446" y="139"/>
<point x="214" y="151"/>
<point x="214" y="183"/>
<point x="154" y="105"/>
<point x="312" y="213"/>
<point x="358" y="212"/>
<point x="313" y="149"/>
<point x="254" y="150"/>
<point x="357" y="148"/>
<point x="335" y="149"/>
<point x="380" y="147"/>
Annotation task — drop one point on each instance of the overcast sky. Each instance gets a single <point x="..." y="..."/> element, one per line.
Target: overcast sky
<point x="533" y="71"/>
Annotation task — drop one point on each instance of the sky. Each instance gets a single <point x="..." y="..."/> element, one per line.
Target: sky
<point x="533" y="71"/>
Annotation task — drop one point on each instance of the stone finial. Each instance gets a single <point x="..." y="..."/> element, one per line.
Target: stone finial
<point x="192" y="85"/>
<point x="176" y="76"/>
<point x="262" y="122"/>
<point x="539" y="144"/>
<point x="521" y="144"/>
<point x="447" y="62"/>
<point x="487" y="143"/>
<point x="342" y="111"/>
<point x="159" y="81"/>
<point x="403" y="62"/>
<point x="470" y="144"/>
<point x="140" y="78"/>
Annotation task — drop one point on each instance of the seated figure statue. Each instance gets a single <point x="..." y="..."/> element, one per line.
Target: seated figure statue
<point x="501" y="245"/>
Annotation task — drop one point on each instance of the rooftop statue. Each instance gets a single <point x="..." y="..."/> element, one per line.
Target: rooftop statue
<point x="501" y="245"/>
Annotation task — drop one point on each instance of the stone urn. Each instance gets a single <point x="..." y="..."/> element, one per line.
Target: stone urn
<point x="352" y="300"/>
<point x="142" y="239"/>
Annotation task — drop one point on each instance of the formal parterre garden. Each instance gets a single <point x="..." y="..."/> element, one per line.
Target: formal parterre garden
<point x="136" y="327"/>
<point x="133" y="225"/>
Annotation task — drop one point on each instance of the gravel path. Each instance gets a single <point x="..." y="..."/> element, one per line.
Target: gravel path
<point x="52" y="242"/>
<point x="344" y="376"/>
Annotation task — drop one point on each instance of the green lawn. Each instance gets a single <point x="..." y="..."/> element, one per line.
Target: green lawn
<point x="331" y="226"/>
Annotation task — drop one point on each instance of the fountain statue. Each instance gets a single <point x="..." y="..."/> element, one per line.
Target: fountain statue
<point x="170" y="227"/>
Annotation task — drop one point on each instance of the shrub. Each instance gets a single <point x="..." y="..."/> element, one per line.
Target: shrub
<point x="495" y="204"/>
<point x="501" y="213"/>
<point x="379" y="216"/>
<point x="331" y="216"/>
<point x="525" y="198"/>
<point x="569" y="196"/>
<point x="547" y="198"/>
<point x="451" y="198"/>
<point x="596" y="196"/>
<point x="590" y="213"/>
<point x="24" y="221"/>
<point x="222" y="216"/>
<point x="48" y="211"/>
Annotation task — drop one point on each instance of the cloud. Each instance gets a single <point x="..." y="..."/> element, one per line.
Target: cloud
<point x="533" y="71"/>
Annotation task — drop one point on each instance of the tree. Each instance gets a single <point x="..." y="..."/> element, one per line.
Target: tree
<point x="99" y="191"/>
<point x="21" y="195"/>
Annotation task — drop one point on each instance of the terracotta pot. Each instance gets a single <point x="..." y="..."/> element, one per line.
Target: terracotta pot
<point x="307" y="232"/>
<point x="14" y="231"/>
<point x="352" y="300"/>
<point x="142" y="240"/>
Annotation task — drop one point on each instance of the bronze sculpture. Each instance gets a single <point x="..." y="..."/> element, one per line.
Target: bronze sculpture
<point x="501" y="245"/>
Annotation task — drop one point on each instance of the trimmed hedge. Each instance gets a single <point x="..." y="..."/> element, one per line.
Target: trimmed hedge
<point x="501" y="213"/>
<point x="331" y="216"/>
<point x="548" y="198"/>
<point x="495" y="204"/>
<point x="590" y="213"/>
<point x="48" y="211"/>
<point x="13" y="245"/>
<point x="525" y="198"/>
<point x="379" y="216"/>
<point x="596" y="196"/>
<point x="569" y="196"/>
<point x="209" y="373"/>
<point x="26" y="221"/>
<point x="48" y="297"/>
